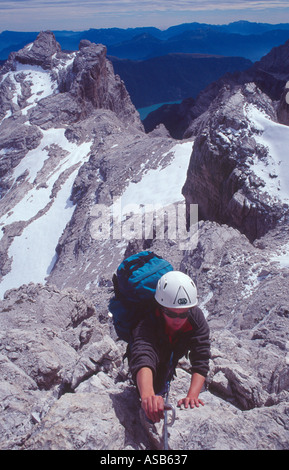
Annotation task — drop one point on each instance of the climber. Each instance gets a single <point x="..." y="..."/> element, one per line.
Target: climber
<point x="176" y="327"/>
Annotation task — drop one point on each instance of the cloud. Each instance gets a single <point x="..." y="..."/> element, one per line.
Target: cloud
<point x="76" y="14"/>
<point x="115" y="6"/>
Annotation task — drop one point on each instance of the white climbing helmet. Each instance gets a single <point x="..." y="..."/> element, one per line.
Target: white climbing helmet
<point x="176" y="290"/>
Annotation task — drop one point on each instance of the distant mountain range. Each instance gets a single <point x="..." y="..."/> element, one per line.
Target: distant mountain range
<point x="205" y="41"/>
<point x="171" y="65"/>
<point x="242" y="38"/>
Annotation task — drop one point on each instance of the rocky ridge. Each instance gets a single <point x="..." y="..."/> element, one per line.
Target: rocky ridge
<point x="239" y="166"/>
<point x="64" y="384"/>
<point x="270" y="75"/>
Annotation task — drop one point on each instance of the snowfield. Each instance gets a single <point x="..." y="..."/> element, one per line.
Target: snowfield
<point x="40" y="81"/>
<point x="162" y="186"/>
<point x="274" y="169"/>
<point x="33" y="252"/>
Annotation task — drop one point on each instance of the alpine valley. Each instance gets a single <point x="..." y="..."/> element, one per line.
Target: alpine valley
<point x="73" y="149"/>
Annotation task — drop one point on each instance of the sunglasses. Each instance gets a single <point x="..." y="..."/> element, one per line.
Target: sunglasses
<point x="171" y="314"/>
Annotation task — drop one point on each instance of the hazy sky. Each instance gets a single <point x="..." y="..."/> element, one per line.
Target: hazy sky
<point x="36" y="15"/>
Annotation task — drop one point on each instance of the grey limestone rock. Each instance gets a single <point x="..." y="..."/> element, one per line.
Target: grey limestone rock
<point x="76" y="143"/>
<point x="222" y="178"/>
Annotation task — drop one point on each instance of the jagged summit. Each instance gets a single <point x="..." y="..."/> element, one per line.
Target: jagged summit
<point x="40" y="52"/>
<point x="82" y="80"/>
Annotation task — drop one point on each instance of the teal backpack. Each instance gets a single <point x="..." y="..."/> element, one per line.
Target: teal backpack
<point x="134" y="284"/>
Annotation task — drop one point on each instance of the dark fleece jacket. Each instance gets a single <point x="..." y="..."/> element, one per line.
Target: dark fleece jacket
<point x="151" y="347"/>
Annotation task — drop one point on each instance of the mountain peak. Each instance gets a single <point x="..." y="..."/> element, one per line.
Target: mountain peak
<point x="39" y="52"/>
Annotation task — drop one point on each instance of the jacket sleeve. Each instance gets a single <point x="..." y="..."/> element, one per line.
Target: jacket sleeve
<point x="141" y="350"/>
<point x="199" y="349"/>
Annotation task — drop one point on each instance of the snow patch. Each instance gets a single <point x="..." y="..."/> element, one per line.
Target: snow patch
<point x="35" y="159"/>
<point x="64" y="62"/>
<point x="204" y="302"/>
<point x="162" y="186"/>
<point x="40" y="81"/>
<point x="273" y="169"/>
<point x="33" y="252"/>
<point x="282" y="256"/>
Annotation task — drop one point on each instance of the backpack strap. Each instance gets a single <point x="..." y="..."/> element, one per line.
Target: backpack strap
<point x="117" y="292"/>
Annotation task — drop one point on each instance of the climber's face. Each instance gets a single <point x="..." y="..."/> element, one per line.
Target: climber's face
<point x="175" y="318"/>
